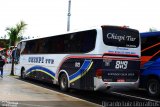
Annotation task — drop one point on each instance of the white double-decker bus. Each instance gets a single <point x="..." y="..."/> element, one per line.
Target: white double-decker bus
<point x="92" y="59"/>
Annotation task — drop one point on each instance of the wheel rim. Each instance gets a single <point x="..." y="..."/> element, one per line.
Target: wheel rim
<point x="63" y="82"/>
<point x="153" y="88"/>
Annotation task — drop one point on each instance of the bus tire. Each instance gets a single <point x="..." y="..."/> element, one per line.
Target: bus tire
<point x="63" y="82"/>
<point x="23" y="74"/>
<point x="153" y="87"/>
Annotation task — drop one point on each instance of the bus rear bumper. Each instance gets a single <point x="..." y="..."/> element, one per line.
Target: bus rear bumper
<point x="100" y="85"/>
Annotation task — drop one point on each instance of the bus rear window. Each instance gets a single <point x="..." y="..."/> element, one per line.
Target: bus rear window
<point x="120" y="37"/>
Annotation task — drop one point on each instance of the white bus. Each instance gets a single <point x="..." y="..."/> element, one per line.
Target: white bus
<point x="92" y="59"/>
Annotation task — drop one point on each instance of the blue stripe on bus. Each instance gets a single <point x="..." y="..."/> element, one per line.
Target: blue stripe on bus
<point x="81" y="70"/>
<point x="148" y="34"/>
<point x="36" y="68"/>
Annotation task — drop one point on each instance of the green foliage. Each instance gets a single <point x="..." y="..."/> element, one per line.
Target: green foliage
<point x="15" y="33"/>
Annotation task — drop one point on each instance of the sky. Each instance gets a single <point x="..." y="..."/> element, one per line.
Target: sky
<point x="49" y="17"/>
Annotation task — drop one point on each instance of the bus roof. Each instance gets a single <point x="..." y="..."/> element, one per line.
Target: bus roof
<point x="148" y="34"/>
<point x="69" y="32"/>
<point x="80" y="30"/>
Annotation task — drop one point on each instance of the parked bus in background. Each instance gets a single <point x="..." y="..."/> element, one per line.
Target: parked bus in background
<point x="92" y="59"/>
<point x="150" y="62"/>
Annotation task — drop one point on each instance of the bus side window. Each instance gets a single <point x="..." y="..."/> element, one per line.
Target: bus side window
<point x="60" y="46"/>
<point x="41" y="46"/>
<point x="88" y="41"/>
<point x="75" y="43"/>
<point x="144" y="42"/>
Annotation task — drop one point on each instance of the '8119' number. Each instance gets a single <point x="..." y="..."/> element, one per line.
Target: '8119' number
<point x="121" y="64"/>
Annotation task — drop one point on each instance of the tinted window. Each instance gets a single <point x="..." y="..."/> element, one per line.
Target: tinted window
<point x="79" y="42"/>
<point x="120" y="37"/>
<point x="150" y="45"/>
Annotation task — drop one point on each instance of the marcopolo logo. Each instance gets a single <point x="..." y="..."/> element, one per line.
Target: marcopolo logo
<point x="120" y="38"/>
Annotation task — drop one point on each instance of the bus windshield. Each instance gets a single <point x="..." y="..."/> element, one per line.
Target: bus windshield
<point x="123" y="37"/>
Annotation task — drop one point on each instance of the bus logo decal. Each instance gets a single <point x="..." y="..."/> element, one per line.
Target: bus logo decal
<point x="107" y="62"/>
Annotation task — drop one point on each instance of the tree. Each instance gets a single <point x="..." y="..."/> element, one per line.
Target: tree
<point x="14" y="34"/>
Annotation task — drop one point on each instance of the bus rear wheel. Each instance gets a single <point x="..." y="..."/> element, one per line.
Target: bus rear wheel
<point x="153" y="87"/>
<point x="63" y="82"/>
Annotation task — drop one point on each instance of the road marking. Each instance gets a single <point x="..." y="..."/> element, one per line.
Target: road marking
<point x="136" y="97"/>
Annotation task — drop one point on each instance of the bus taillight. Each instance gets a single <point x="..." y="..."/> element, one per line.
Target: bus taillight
<point x="99" y="73"/>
